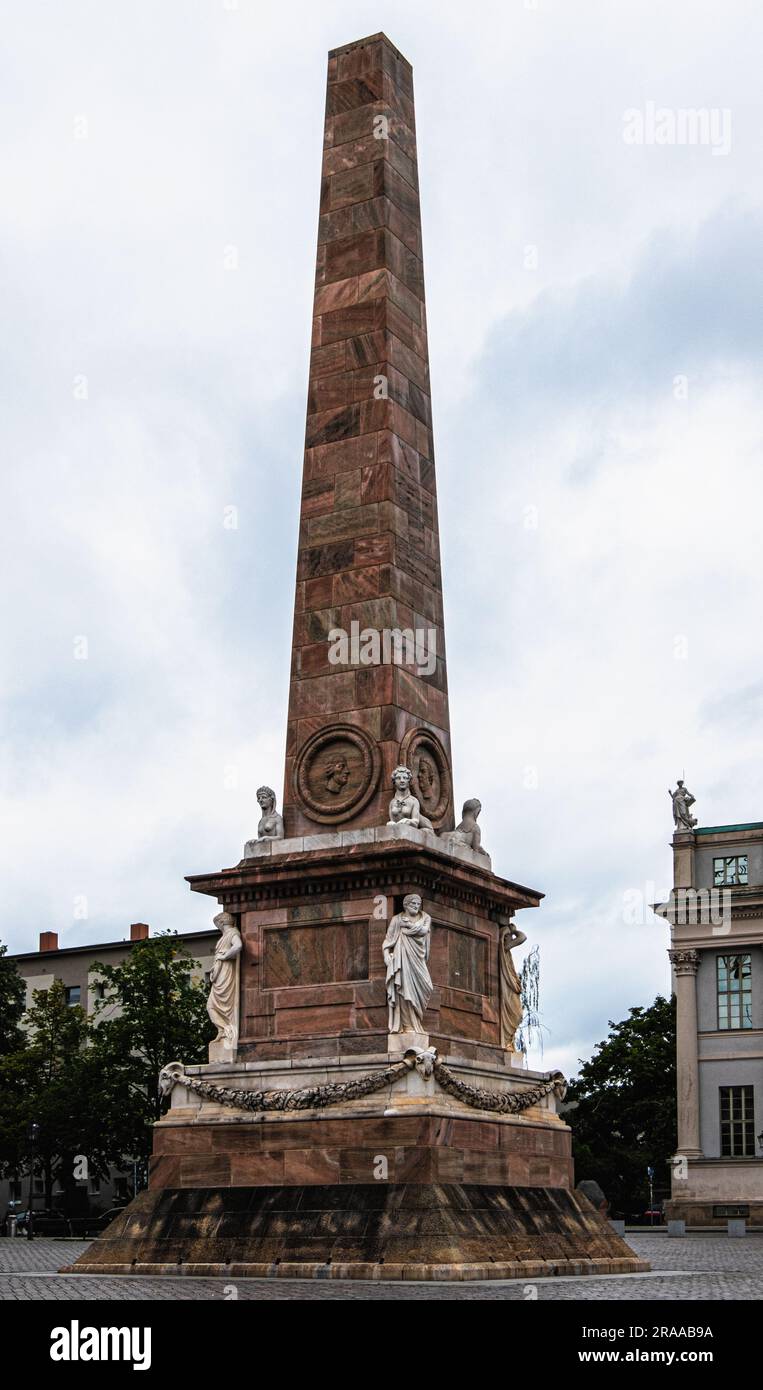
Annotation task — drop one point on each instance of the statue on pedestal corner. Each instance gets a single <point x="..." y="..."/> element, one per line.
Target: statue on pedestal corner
<point x="222" y="1004"/>
<point x="511" y="1009"/>
<point x="270" y="826"/>
<point x="682" y="800"/>
<point x="467" y="834"/>
<point x="404" y="808"/>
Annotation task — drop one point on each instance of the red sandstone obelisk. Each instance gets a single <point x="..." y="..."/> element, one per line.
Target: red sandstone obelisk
<point x="369" y="549"/>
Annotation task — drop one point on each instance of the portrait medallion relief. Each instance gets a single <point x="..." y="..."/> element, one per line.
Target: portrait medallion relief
<point x="336" y="773"/>
<point x="423" y="753"/>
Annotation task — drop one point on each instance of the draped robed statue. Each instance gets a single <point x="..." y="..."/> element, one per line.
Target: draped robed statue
<point x="222" y="1004"/>
<point x="406" y="954"/>
<point x="511" y="1009"/>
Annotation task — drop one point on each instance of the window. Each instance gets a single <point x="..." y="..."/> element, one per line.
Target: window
<point x="732" y="869"/>
<point x="120" y="1189"/>
<point x="14" y="1190"/>
<point x="737" y="1122"/>
<point x="73" y="994"/>
<point x="740" y="1209"/>
<point x="95" y="1185"/>
<point x="734" y="991"/>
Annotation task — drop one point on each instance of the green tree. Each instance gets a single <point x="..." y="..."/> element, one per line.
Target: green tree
<point x="152" y="1012"/>
<point x="623" y="1107"/>
<point x="12" y="995"/>
<point x="49" y="1080"/>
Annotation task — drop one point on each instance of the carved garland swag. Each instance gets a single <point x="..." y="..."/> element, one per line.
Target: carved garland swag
<point x="334" y="1093"/>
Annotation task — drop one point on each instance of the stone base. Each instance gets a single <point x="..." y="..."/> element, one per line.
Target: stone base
<point x="714" y="1213"/>
<point x="377" y="1231"/>
<point x="423" y="1133"/>
<point x="400" y="1043"/>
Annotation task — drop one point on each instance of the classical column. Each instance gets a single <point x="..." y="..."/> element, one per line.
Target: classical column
<point x="685" y="964"/>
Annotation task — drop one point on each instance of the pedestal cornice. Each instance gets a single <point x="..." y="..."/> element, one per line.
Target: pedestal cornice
<point x="340" y="869"/>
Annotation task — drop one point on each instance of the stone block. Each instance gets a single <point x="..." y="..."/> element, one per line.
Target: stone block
<point x="399" y="1043"/>
<point x="295" y="845"/>
<point x="329" y="840"/>
<point x="257" y="849"/>
<point x="364" y="836"/>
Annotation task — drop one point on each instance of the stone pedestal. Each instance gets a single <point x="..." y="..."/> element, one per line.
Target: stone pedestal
<point x="400" y="1043"/>
<point x="354" y="1160"/>
<point x="313" y="914"/>
<point x="410" y="1231"/>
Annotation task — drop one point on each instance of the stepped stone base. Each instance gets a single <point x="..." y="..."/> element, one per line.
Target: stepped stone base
<point x="379" y="1231"/>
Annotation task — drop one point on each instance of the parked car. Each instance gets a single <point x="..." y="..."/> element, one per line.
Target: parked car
<point x="45" y="1223"/>
<point x="653" y="1216"/>
<point x="92" y="1226"/>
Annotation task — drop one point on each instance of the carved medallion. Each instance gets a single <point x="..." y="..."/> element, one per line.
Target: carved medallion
<point x="336" y="773"/>
<point x="423" y="753"/>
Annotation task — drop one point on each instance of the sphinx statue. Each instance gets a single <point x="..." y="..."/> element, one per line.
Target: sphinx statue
<point x="467" y="835"/>
<point x="404" y="808"/>
<point x="270" y="826"/>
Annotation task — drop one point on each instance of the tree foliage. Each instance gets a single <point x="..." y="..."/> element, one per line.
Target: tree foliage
<point x="47" y="1081"/>
<point x="152" y="1012"/>
<point x="91" y="1085"/>
<point x="12" y="995"/>
<point x="623" y="1108"/>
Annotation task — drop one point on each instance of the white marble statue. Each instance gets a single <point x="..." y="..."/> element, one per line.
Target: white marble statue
<point x="404" y="808"/>
<point x="270" y="826"/>
<point x="510" y="986"/>
<point x="406" y="954"/>
<point x="222" y="1004"/>
<point x="682" y="800"/>
<point x="468" y="834"/>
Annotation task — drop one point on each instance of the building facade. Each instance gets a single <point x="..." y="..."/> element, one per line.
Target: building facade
<point x="71" y="965"/>
<point x="716" y="951"/>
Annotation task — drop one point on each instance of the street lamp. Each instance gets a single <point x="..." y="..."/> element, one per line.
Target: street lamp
<point x="32" y="1134"/>
<point x="650" y="1175"/>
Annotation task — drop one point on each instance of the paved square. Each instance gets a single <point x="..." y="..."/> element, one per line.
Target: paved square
<point x="696" y="1268"/>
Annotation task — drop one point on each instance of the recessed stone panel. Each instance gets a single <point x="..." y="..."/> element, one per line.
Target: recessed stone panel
<point x="315" y="955"/>
<point x="467" y="961"/>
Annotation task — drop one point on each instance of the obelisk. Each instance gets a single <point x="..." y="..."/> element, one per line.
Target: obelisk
<point x="369" y="548"/>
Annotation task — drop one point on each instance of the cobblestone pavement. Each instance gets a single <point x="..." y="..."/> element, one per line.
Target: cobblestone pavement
<point x="697" y="1268"/>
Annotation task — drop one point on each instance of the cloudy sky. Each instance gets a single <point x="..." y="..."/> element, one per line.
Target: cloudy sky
<point x="595" y="310"/>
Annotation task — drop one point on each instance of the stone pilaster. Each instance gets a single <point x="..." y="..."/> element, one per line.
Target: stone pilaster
<point x="685" y="963"/>
<point x="684" y="842"/>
